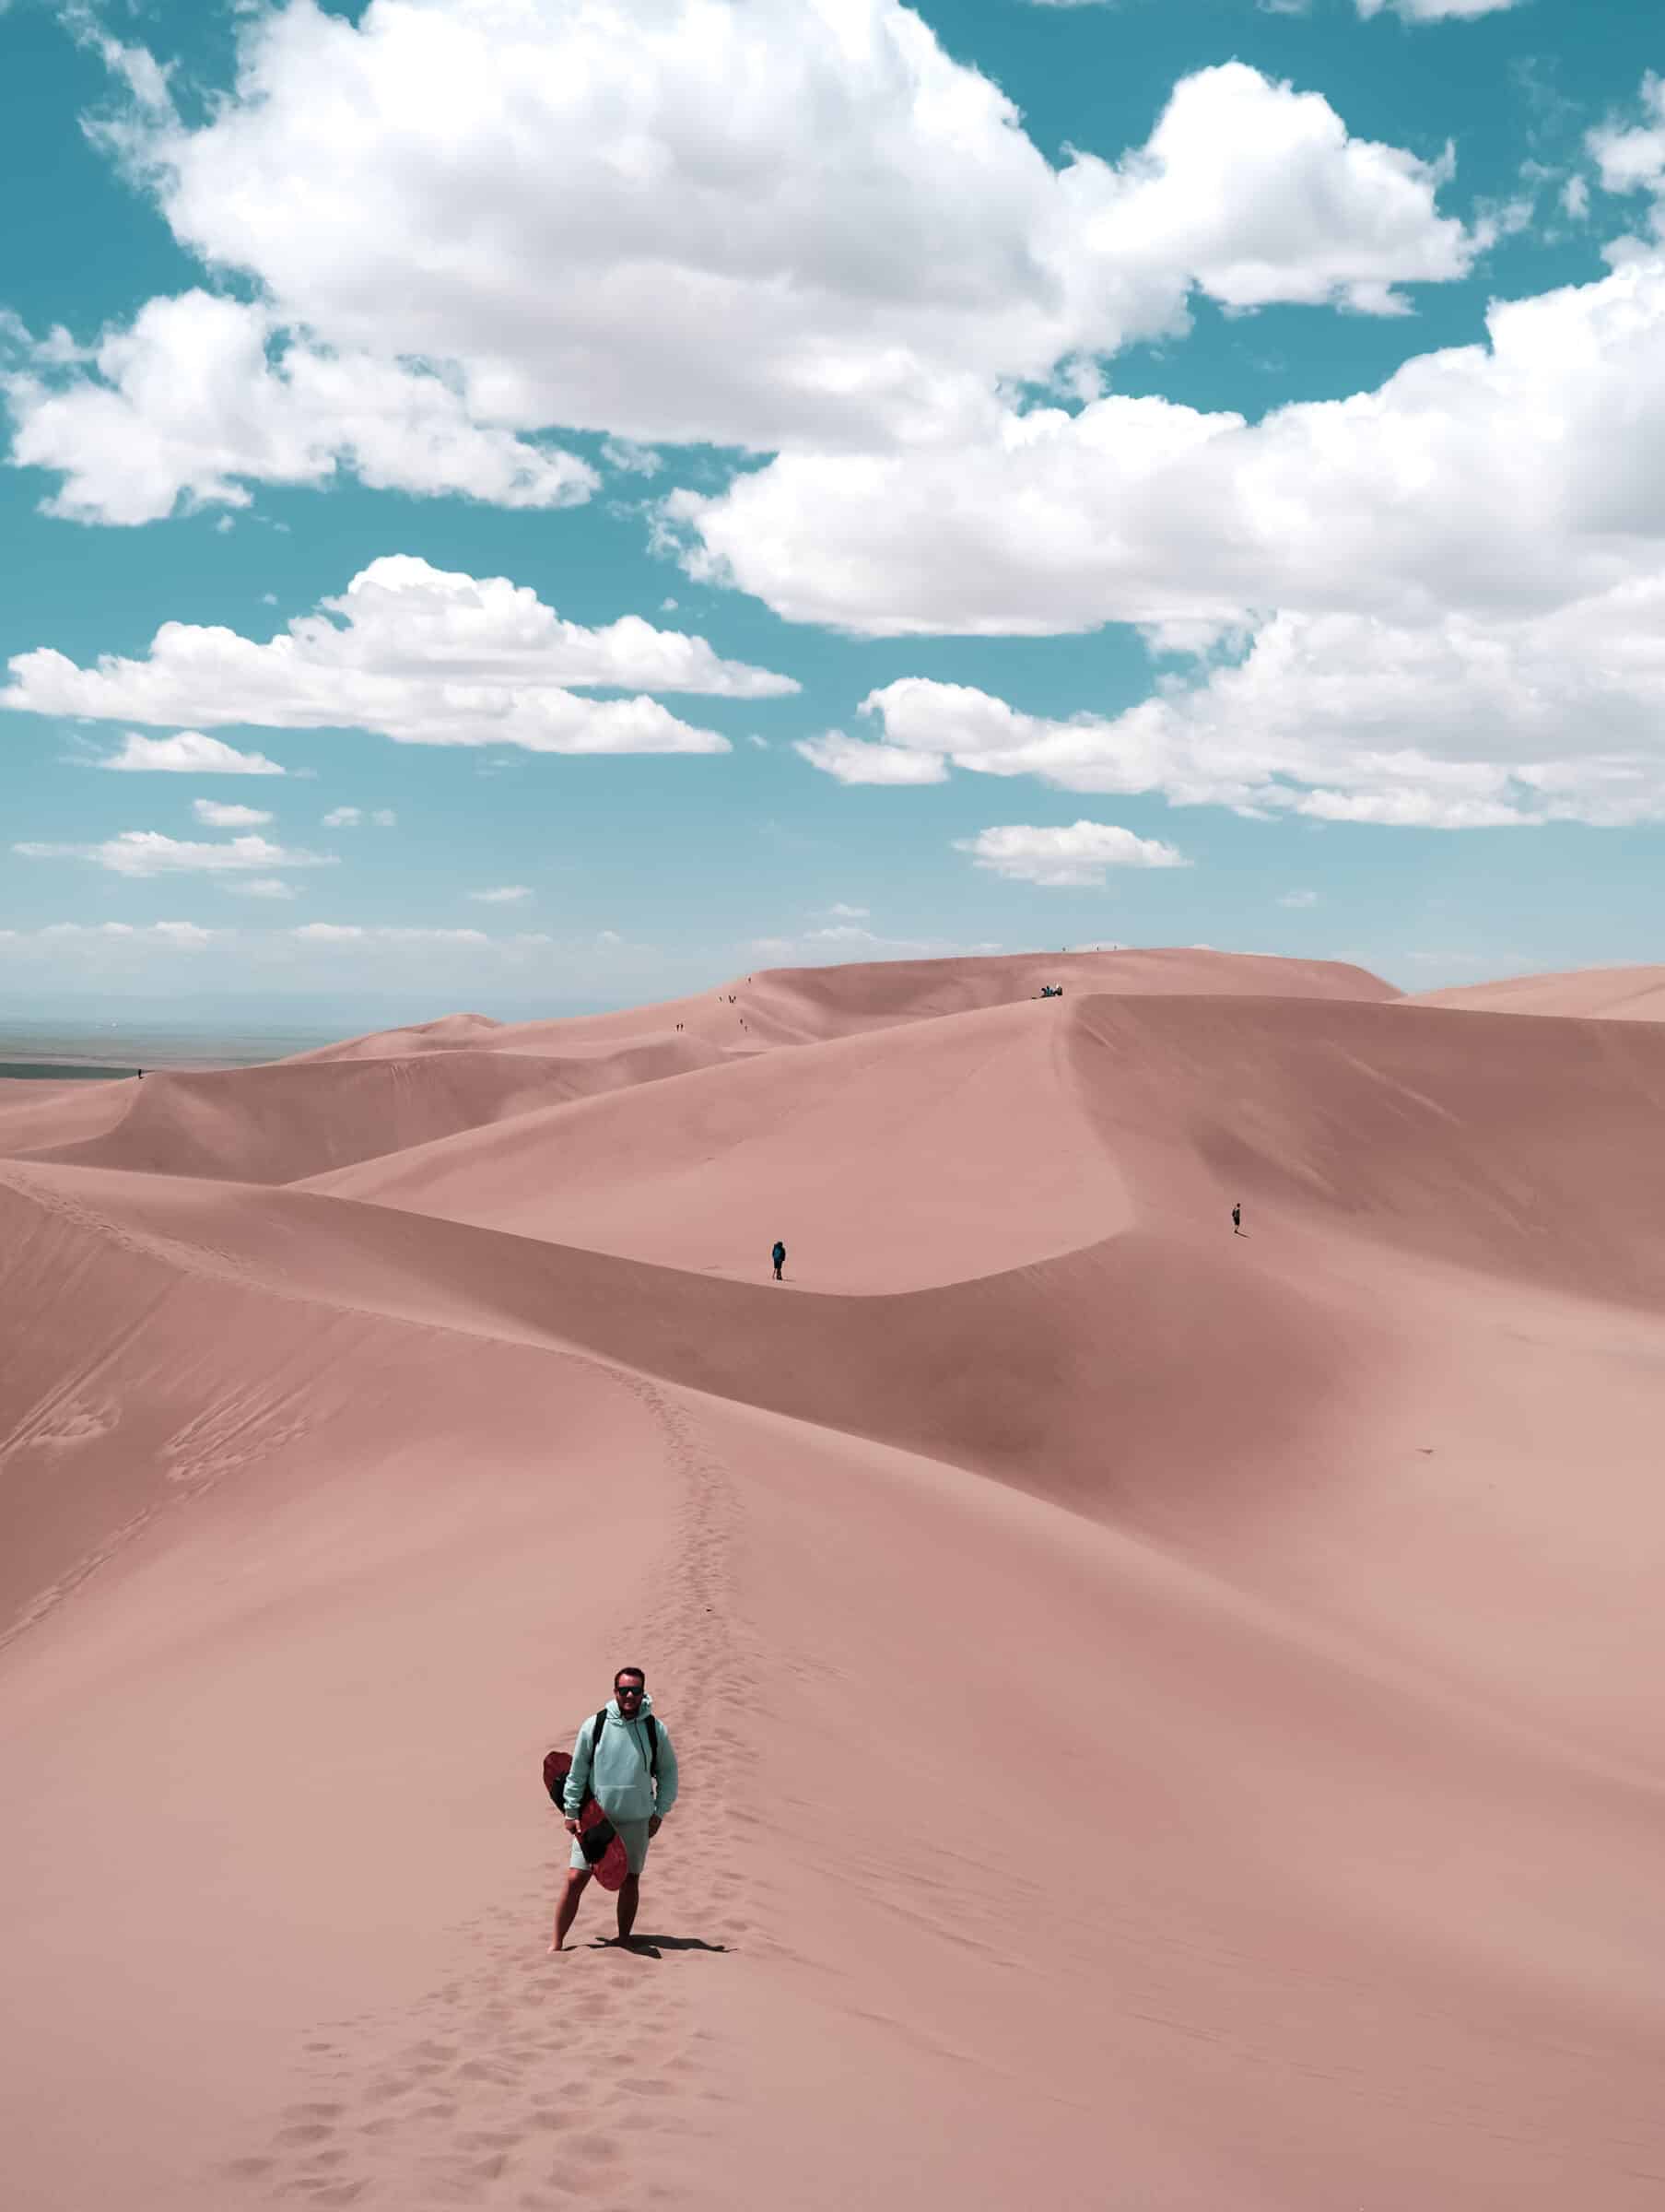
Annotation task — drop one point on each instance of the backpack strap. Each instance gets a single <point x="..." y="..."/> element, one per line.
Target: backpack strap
<point x="595" y="1743"/>
<point x="652" y="1745"/>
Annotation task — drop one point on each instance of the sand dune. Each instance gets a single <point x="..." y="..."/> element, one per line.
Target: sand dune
<point x="1612" y="994"/>
<point x="39" y="1113"/>
<point x="802" y="1006"/>
<point x="450" y="1034"/>
<point x="1169" y="1719"/>
<point x="286" y="1121"/>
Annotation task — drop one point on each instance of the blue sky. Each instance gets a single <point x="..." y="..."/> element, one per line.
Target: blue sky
<point x="773" y="483"/>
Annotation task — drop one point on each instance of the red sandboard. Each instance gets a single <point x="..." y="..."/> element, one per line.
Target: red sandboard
<point x="612" y="1867"/>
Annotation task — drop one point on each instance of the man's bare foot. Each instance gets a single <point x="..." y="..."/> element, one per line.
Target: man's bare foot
<point x="556" y="1946"/>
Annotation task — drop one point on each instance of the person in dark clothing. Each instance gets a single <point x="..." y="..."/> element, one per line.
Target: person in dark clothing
<point x="779" y="1256"/>
<point x="1236" y="1219"/>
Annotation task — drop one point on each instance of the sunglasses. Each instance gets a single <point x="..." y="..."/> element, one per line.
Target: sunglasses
<point x="629" y="1693"/>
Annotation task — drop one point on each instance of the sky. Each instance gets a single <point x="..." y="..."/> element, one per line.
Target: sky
<point x="529" y="505"/>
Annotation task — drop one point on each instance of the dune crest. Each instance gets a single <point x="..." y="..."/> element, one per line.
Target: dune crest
<point x="1609" y="993"/>
<point x="1168" y="1717"/>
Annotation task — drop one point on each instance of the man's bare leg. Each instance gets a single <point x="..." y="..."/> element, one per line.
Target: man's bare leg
<point x="578" y="1879"/>
<point x="630" y="1897"/>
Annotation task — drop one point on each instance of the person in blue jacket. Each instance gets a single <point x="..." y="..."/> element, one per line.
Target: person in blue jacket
<point x="616" y="1765"/>
<point x="779" y="1256"/>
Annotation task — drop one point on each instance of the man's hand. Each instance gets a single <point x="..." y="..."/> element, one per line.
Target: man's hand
<point x="653" y="1825"/>
<point x="570" y="1827"/>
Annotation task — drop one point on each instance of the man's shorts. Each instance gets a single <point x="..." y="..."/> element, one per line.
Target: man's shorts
<point x="633" y="1834"/>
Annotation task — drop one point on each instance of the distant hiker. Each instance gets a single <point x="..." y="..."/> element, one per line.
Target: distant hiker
<point x="779" y="1256"/>
<point x="1236" y="1220"/>
<point x="623" y="1759"/>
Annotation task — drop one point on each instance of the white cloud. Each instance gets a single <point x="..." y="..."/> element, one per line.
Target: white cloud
<point x="263" y="887"/>
<point x="422" y="655"/>
<point x="217" y="817"/>
<point x="1630" y="159"/>
<point x="353" y="933"/>
<point x="201" y="396"/>
<point x="383" y="817"/>
<point x="848" y="941"/>
<point x="1436" y="11"/>
<point x="1460" y="723"/>
<point x="1468" y="568"/>
<point x="1487" y="475"/>
<point x="841" y="912"/>
<point x="185" y="936"/>
<point x="508" y="894"/>
<point x="1574" y="199"/>
<point x="344" y="818"/>
<point x="535" y="196"/>
<point x="634" y="460"/>
<point x="1299" y="898"/>
<point x="1065" y="856"/>
<point x="855" y="760"/>
<point x="147" y="853"/>
<point x="187" y="753"/>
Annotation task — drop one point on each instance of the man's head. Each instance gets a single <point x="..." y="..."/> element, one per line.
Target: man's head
<point x="627" y="1687"/>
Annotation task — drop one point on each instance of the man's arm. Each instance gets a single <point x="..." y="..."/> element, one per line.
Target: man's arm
<point x="664" y="1793"/>
<point x="578" y="1773"/>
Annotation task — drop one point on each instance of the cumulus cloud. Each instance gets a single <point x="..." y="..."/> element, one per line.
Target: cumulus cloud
<point x="216" y="817"/>
<point x="423" y="655"/>
<point x="1487" y="477"/>
<point x="1630" y="159"/>
<point x="1435" y="604"/>
<point x="855" y="760"/>
<point x="1461" y="723"/>
<point x="508" y="894"/>
<point x="383" y="817"/>
<point x="530" y="196"/>
<point x="148" y="853"/>
<point x="199" y="397"/>
<point x="188" y="753"/>
<point x="344" y="818"/>
<point x="1436" y="11"/>
<point x="1080" y="854"/>
<point x="1299" y="898"/>
<point x="263" y="887"/>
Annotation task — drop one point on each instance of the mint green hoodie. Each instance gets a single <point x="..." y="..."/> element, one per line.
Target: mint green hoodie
<point x="616" y="1774"/>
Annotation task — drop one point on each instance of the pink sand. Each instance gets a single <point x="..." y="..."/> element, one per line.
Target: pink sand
<point x="1169" y="1721"/>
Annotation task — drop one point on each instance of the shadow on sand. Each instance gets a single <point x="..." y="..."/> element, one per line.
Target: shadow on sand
<point x="655" y="1946"/>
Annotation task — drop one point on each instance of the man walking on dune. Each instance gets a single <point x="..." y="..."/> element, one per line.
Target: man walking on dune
<point x="779" y="1256"/>
<point x="623" y="1759"/>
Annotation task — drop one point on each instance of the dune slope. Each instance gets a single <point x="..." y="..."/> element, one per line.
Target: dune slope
<point x="1169" y="1719"/>
<point x="1608" y="994"/>
<point x="284" y="1121"/>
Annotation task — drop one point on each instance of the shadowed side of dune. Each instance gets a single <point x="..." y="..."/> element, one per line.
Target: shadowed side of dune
<point x="1520" y="1149"/>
